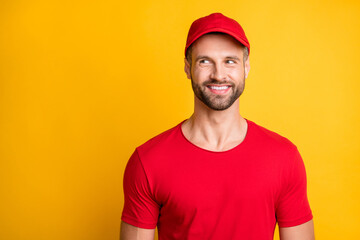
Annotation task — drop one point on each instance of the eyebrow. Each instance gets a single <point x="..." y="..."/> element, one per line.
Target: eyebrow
<point x="201" y="57"/>
<point x="233" y="57"/>
<point x="207" y="57"/>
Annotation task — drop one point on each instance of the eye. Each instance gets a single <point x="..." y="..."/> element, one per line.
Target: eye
<point x="204" y="61"/>
<point x="230" y="61"/>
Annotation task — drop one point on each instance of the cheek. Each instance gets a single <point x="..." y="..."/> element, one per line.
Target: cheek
<point x="201" y="74"/>
<point x="236" y="73"/>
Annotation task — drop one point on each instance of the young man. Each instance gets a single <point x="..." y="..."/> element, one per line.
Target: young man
<point x="216" y="175"/>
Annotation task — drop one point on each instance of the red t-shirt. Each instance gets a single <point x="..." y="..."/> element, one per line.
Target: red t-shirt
<point x="192" y="193"/>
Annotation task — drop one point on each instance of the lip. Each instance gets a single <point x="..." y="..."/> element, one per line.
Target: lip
<point x="219" y="89"/>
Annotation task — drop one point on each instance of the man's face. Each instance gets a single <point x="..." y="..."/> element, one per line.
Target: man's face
<point x="217" y="71"/>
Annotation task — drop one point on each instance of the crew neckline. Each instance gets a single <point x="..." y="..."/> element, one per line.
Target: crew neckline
<point x="240" y="145"/>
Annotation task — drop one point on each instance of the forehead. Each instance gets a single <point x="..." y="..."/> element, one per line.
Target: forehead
<point x="217" y="43"/>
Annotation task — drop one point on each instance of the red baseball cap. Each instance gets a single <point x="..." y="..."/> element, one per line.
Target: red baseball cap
<point x="216" y="22"/>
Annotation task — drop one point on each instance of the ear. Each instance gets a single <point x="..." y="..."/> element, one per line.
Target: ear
<point x="187" y="68"/>
<point x="247" y="67"/>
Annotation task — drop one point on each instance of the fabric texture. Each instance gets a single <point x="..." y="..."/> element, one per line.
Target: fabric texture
<point x="216" y="22"/>
<point x="192" y="193"/>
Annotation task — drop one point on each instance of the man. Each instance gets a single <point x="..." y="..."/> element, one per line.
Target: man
<point x="216" y="175"/>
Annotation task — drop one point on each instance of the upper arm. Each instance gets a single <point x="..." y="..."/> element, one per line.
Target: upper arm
<point x="293" y="207"/>
<point x="303" y="231"/>
<point x="129" y="232"/>
<point x="140" y="206"/>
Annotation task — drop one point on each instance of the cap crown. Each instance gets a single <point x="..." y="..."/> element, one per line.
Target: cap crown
<point x="216" y="22"/>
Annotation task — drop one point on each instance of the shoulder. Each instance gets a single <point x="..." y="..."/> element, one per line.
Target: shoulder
<point x="265" y="138"/>
<point x="280" y="151"/>
<point x="161" y="143"/>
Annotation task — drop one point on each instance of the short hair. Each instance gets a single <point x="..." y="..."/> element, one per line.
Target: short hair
<point x="189" y="50"/>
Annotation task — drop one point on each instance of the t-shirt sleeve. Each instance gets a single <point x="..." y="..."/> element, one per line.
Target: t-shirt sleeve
<point x="140" y="208"/>
<point x="293" y="206"/>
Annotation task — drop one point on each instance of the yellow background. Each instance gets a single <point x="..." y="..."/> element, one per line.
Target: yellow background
<point x="82" y="83"/>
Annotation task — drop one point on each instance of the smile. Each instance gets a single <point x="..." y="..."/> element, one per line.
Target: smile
<point x="219" y="87"/>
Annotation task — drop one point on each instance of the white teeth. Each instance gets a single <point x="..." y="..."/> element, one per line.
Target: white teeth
<point x="219" y="88"/>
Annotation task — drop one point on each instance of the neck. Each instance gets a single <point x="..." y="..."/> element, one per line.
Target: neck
<point x="215" y="130"/>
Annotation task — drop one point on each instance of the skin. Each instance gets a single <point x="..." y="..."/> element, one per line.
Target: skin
<point x="216" y="124"/>
<point x="129" y="232"/>
<point x="218" y="58"/>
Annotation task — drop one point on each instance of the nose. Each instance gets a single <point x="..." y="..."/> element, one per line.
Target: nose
<point x="218" y="72"/>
